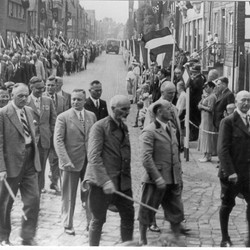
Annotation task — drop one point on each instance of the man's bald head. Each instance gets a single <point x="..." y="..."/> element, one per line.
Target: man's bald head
<point x="20" y="93"/>
<point x="120" y="107"/>
<point x="168" y="91"/>
<point x="242" y="101"/>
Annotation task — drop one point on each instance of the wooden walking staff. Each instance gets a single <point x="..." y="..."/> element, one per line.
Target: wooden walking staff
<point x="13" y="196"/>
<point x="140" y="203"/>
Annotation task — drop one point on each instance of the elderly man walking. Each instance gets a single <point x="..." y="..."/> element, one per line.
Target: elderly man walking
<point x="234" y="156"/>
<point x="19" y="165"/>
<point x="109" y="170"/>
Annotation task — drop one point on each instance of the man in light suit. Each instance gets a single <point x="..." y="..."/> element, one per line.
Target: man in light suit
<point x="19" y="165"/>
<point x="59" y="91"/>
<point x="162" y="182"/>
<point x="40" y="71"/>
<point x="234" y="155"/>
<point x="71" y="144"/>
<point x="94" y="103"/>
<point x="45" y="117"/>
<point x="59" y="103"/>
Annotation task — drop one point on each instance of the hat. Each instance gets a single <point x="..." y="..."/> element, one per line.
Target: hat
<point x="51" y="78"/>
<point x="9" y="84"/>
<point x="135" y="62"/>
<point x="196" y="68"/>
<point x="59" y="79"/>
<point x="210" y="84"/>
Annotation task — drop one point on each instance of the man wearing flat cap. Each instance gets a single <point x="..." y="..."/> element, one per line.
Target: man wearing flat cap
<point x="196" y="85"/>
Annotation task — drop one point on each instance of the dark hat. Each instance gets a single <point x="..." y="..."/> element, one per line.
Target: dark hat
<point x="196" y="68"/>
<point x="52" y="78"/>
<point x="210" y="84"/>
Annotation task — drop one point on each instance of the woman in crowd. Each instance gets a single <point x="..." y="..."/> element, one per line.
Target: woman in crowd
<point x="206" y="140"/>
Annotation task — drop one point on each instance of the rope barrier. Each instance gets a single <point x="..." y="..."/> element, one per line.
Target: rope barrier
<point x="203" y="130"/>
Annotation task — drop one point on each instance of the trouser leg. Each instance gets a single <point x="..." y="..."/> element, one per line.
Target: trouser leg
<point x="69" y="189"/>
<point x="30" y="197"/>
<point x="228" y="194"/>
<point x="98" y="203"/>
<point x="126" y="211"/>
<point x="54" y="166"/>
<point x="43" y="153"/>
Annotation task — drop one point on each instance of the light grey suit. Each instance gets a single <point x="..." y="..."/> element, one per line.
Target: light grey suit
<point x="21" y="162"/>
<point x="45" y="128"/>
<point x="71" y="143"/>
<point x="59" y="103"/>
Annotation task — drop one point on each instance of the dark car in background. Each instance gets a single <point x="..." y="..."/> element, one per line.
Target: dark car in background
<point x="113" y="45"/>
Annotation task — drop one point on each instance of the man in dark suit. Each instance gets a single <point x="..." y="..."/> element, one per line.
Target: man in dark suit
<point x="162" y="182"/>
<point x="224" y="97"/>
<point x="71" y="144"/>
<point x="234" y="154"/>
<point x="19" y="165"/>
<point x="196" y="84"/>
<point x="94" y="103"/>
<point x="109" y="170"/>
<point x="59" y="91"/>
<point x="45" y="117"/>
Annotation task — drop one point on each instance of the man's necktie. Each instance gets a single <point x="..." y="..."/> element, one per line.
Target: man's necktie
<point x="248" y="122"/>
<point x="97" y="104"/>
<point x="37" y="103"/>
<point x="53" y="98"/>
<point x="25" y="124"/>
<point x="81" y="120"/>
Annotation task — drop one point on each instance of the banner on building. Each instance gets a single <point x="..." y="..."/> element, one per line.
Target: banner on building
<point x="43" y="13"/>
<point x="55" y="14"/>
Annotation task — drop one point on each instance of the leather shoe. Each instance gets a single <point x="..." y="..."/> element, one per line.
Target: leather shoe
<point x="54" y="187"/>
<point x="155" y="228"/>
<point x="69" y="231"/>
<point x="30" y="242"/>
<point x="184" y="230"/>
<point x="5" y="243"/>
<point x="226" y="243"/>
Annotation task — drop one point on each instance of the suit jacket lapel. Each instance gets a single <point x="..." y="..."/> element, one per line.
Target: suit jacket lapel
<point x="76" y="121"/>
<point x="31" y="103"/>
<point x="239" y="123"/>
<point x="161" y="131"/>
<point x="14" y="119"/>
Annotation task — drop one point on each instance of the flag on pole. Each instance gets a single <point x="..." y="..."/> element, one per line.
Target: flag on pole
<point x="2" y="44"/>
<point x="159" y="42"/>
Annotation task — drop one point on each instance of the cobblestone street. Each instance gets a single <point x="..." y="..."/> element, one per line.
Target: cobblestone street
<point x="201" y="194"/>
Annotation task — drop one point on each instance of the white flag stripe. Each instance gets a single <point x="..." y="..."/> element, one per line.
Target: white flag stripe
<point x="157" y="42"/>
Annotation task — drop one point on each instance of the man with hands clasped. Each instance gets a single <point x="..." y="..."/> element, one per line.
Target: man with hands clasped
<point x="109" y="170"/>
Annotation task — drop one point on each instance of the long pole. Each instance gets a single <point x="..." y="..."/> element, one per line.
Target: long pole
<point x="66" y="19"/>
<point x="173" y="54"/>
<point x="38" y="16"/>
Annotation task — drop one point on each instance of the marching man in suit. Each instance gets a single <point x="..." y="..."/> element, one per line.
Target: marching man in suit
<point x="19" y="165"/>
<point x="59" y="91"/>
<point x="45" y="117"/>
<point x="71" y="144"/>
<point x="59" y="103"/>
<point x="163" y="177"/>
<point x="234" y="155"/>
<point x="94" y="103"/>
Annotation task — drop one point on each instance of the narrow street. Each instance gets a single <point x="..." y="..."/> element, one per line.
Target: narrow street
<point x="201" y="194"/>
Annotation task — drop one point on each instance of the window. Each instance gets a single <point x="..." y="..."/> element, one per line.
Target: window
<point x="230" y="27"/>
<point x="16" y="10"/>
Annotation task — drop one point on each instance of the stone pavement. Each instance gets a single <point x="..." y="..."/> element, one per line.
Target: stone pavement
<point x="201" y="197"/>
